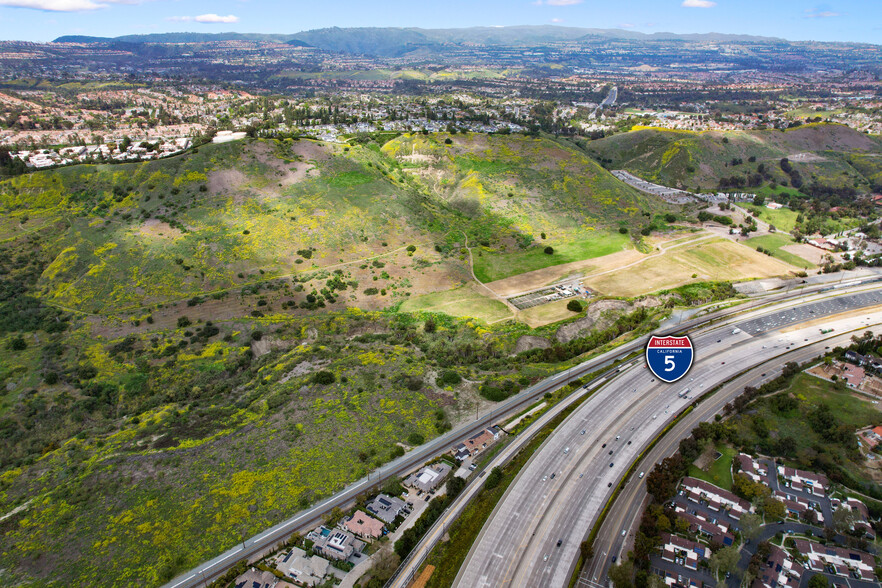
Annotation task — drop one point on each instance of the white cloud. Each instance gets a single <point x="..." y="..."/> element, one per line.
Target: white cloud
<point x="57" y="5"/>
<point x="204" y="18"/>
<point x="698" y="4"/>
<point x="816" y="13"/>
<point x="557" y="20"/>
<point x="627" y="25"/>
<point x="212" y="18"/>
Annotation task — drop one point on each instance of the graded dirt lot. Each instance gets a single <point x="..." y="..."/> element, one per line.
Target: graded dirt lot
<point x="707" y="260"/>
<point x="807" y="252"/>
<point x="549" y="275"/>
<point x="546" y="314"/>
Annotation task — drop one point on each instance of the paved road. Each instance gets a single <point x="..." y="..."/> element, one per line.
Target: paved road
<point x="626" y="510"/>
<point x="303" y="520"/>
<point x="532" y="538"/>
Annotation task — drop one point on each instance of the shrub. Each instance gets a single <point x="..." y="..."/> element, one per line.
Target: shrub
<point x="493" y="479"/>
<point x="257" y="335"/>
<point x="549" y="250"/>
<point x="623" y="230"/>
<point x="415" y="439"/>
<point x="324" y="378"/>
<point x="574" y="306"/>
<point x="448" y="378"/>
<point x="183" y="322"/>
<point x="17" y="343"/>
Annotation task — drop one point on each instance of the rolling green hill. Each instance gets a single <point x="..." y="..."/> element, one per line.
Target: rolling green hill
<point x="138" y="235"/>
<point x="830" y="155"/>
<point x="197" y="347"/>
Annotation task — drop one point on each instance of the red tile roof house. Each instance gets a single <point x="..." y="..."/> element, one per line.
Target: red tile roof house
<point x="873" y="437"/>
<point x="713" y="531"/>
<point x="843" y="560"/>
<point x="853" y="374"/>
<point x="716" y="497"/>
<point x="674" y="547"/>
<point x="779" y="570"/>
<point x="364" y="526"/>
<point x="817" y="482"/>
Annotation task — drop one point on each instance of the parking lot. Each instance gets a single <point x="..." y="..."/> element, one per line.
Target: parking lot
<point x="810" y="311"/>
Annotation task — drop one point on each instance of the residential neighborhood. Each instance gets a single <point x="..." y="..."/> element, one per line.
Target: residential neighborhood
<point x="819" y="532"/>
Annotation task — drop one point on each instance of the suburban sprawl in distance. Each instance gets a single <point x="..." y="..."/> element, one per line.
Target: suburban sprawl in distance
<point x="372" y="307"/>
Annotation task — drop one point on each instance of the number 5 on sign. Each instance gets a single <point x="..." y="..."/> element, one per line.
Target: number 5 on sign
<point x="669" y="358"/>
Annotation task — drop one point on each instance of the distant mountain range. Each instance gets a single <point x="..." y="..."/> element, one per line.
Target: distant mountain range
<point x="391" y="42"/>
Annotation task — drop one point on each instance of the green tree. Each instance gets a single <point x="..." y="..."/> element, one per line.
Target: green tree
<point x="843" y="519"/>
<point x="751" y="525"/>
<point x="335" y="515"/>
<point x="724" y="560"/>
<point x="574" y="306"/>
<point x="773" y="509"/>
<point x="818" y="581"/>
<point x="622" y="574"/>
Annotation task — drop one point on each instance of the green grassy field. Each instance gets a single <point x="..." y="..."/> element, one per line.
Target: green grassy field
<point x="784" y="219"/>
<point x="720" y="471"/>
<point x="801" y="424"/>
<point x="462" y="302"/>
<point x="774" y="243"/>
<point x="490" y="266"/>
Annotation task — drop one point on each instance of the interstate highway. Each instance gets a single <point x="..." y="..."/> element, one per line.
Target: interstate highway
<point x="518" y="546"/>
<point x="626" y="511"/>
<point x="260" y="543"/>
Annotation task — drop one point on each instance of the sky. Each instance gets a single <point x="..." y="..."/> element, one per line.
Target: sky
<point x="837" y="20"/>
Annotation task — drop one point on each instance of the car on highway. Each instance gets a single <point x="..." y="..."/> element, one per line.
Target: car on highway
<point x="552" y="476"/>
<point x="544" y="478"/>
<point x="611" y="464"/>
<point x="559" y="541"/>
<point x="618" y="437"/>
<point x="624" y="532"/>
<point x="545" y="558"/>
<point x="641" y="475"/>
<point x="610" y="451"/>
<point x="566" y="450"/>
<point x="614" y="559"/>
<point x="583" y="432"/>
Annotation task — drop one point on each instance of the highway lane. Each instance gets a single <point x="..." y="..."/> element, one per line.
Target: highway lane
<point x="627" y="509"/>
<point x="258" y="544"/>
<point x="533" y="536"/>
